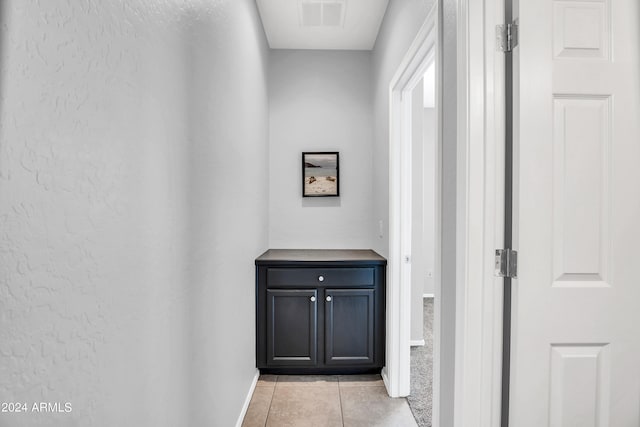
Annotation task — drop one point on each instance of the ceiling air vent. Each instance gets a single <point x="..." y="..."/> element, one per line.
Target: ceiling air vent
<point x="322" y="13"/>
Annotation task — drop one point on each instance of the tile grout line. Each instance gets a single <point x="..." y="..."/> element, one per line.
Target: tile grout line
<point x="340" y="398"/>
<point x="271" y="401"/>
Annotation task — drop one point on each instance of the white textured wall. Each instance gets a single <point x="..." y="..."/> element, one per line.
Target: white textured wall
<point x="320" y="101"/>
<point x="133" y="142"/>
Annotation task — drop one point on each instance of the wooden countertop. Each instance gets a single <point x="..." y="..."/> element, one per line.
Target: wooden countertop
<point x="332" y="256"/>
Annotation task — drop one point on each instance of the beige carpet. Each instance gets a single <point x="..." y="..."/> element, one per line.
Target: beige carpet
<point x="420" y="399"/>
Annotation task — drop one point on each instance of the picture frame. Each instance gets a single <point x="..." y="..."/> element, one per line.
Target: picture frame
<point x="321" y="174"/>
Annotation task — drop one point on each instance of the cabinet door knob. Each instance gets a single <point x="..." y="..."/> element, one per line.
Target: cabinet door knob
<point x="320" y="278"/>
<point x="329" y="298"/>
<point x="313" y="299"/>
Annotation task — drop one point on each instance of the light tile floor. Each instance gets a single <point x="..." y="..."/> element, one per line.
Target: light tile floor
<point x="325" y="401"/>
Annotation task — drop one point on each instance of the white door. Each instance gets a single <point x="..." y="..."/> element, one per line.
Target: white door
<point x="576" y="313"/>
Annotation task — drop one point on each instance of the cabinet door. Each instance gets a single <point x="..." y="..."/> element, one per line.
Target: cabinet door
<point x="292" y="327"/>
<point x="349" y="328"/>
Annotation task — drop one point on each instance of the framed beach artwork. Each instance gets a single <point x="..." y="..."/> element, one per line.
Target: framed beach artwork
<point x="320" y="174"/>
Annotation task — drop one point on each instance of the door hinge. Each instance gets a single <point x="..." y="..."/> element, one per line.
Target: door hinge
<point x="506" y="263"/>
<point x="507" y="37"/>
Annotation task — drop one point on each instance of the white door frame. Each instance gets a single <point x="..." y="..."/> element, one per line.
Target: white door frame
<point x="422" y="52"/>
<point x="479" y="217"/>
<point x="480" y="214"/>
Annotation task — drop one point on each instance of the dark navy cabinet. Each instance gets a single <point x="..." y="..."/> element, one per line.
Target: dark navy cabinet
<point x="349" y="326"/>
<point x="320" y="311"/>
<point x="292" y="327"/>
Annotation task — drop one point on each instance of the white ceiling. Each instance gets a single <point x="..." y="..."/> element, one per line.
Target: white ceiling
<point x="322" y="24"/>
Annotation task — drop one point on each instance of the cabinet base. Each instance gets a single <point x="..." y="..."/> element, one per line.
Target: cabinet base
<point x="319" y="371"/>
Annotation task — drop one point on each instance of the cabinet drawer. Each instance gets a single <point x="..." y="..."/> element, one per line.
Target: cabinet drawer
<point x="283" y="277"/>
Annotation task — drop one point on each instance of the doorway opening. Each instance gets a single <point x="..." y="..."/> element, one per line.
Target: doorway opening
<point x="425" y="207"/>
<point x="470" y="198"/>
<point x="414" y="217"/>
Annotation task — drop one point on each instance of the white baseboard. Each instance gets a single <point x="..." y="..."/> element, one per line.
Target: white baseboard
<point x="385" y="380"/>
<point x="417" y="343"/>
<point x="428" y="296"/>
<point x="248" y="399"/>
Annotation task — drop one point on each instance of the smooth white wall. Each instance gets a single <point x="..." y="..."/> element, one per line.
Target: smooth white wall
<point x="399" y="27"/>
<point x="132" y="205"/>
<point x="320" y="101"/>
<point x="228" y="199"/>
<point x="448" y="207"/>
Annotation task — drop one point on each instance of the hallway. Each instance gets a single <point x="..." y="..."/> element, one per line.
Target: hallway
<point x="325" y="401"/>
<point x="149" y="151"/>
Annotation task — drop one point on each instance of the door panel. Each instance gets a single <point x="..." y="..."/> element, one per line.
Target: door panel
<point x="349" y="329"/>
<point x="576" y="344"/>
<point x="292" y="327"/>
<point x="579" y="388"/>
<point x="581" y="190"/>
